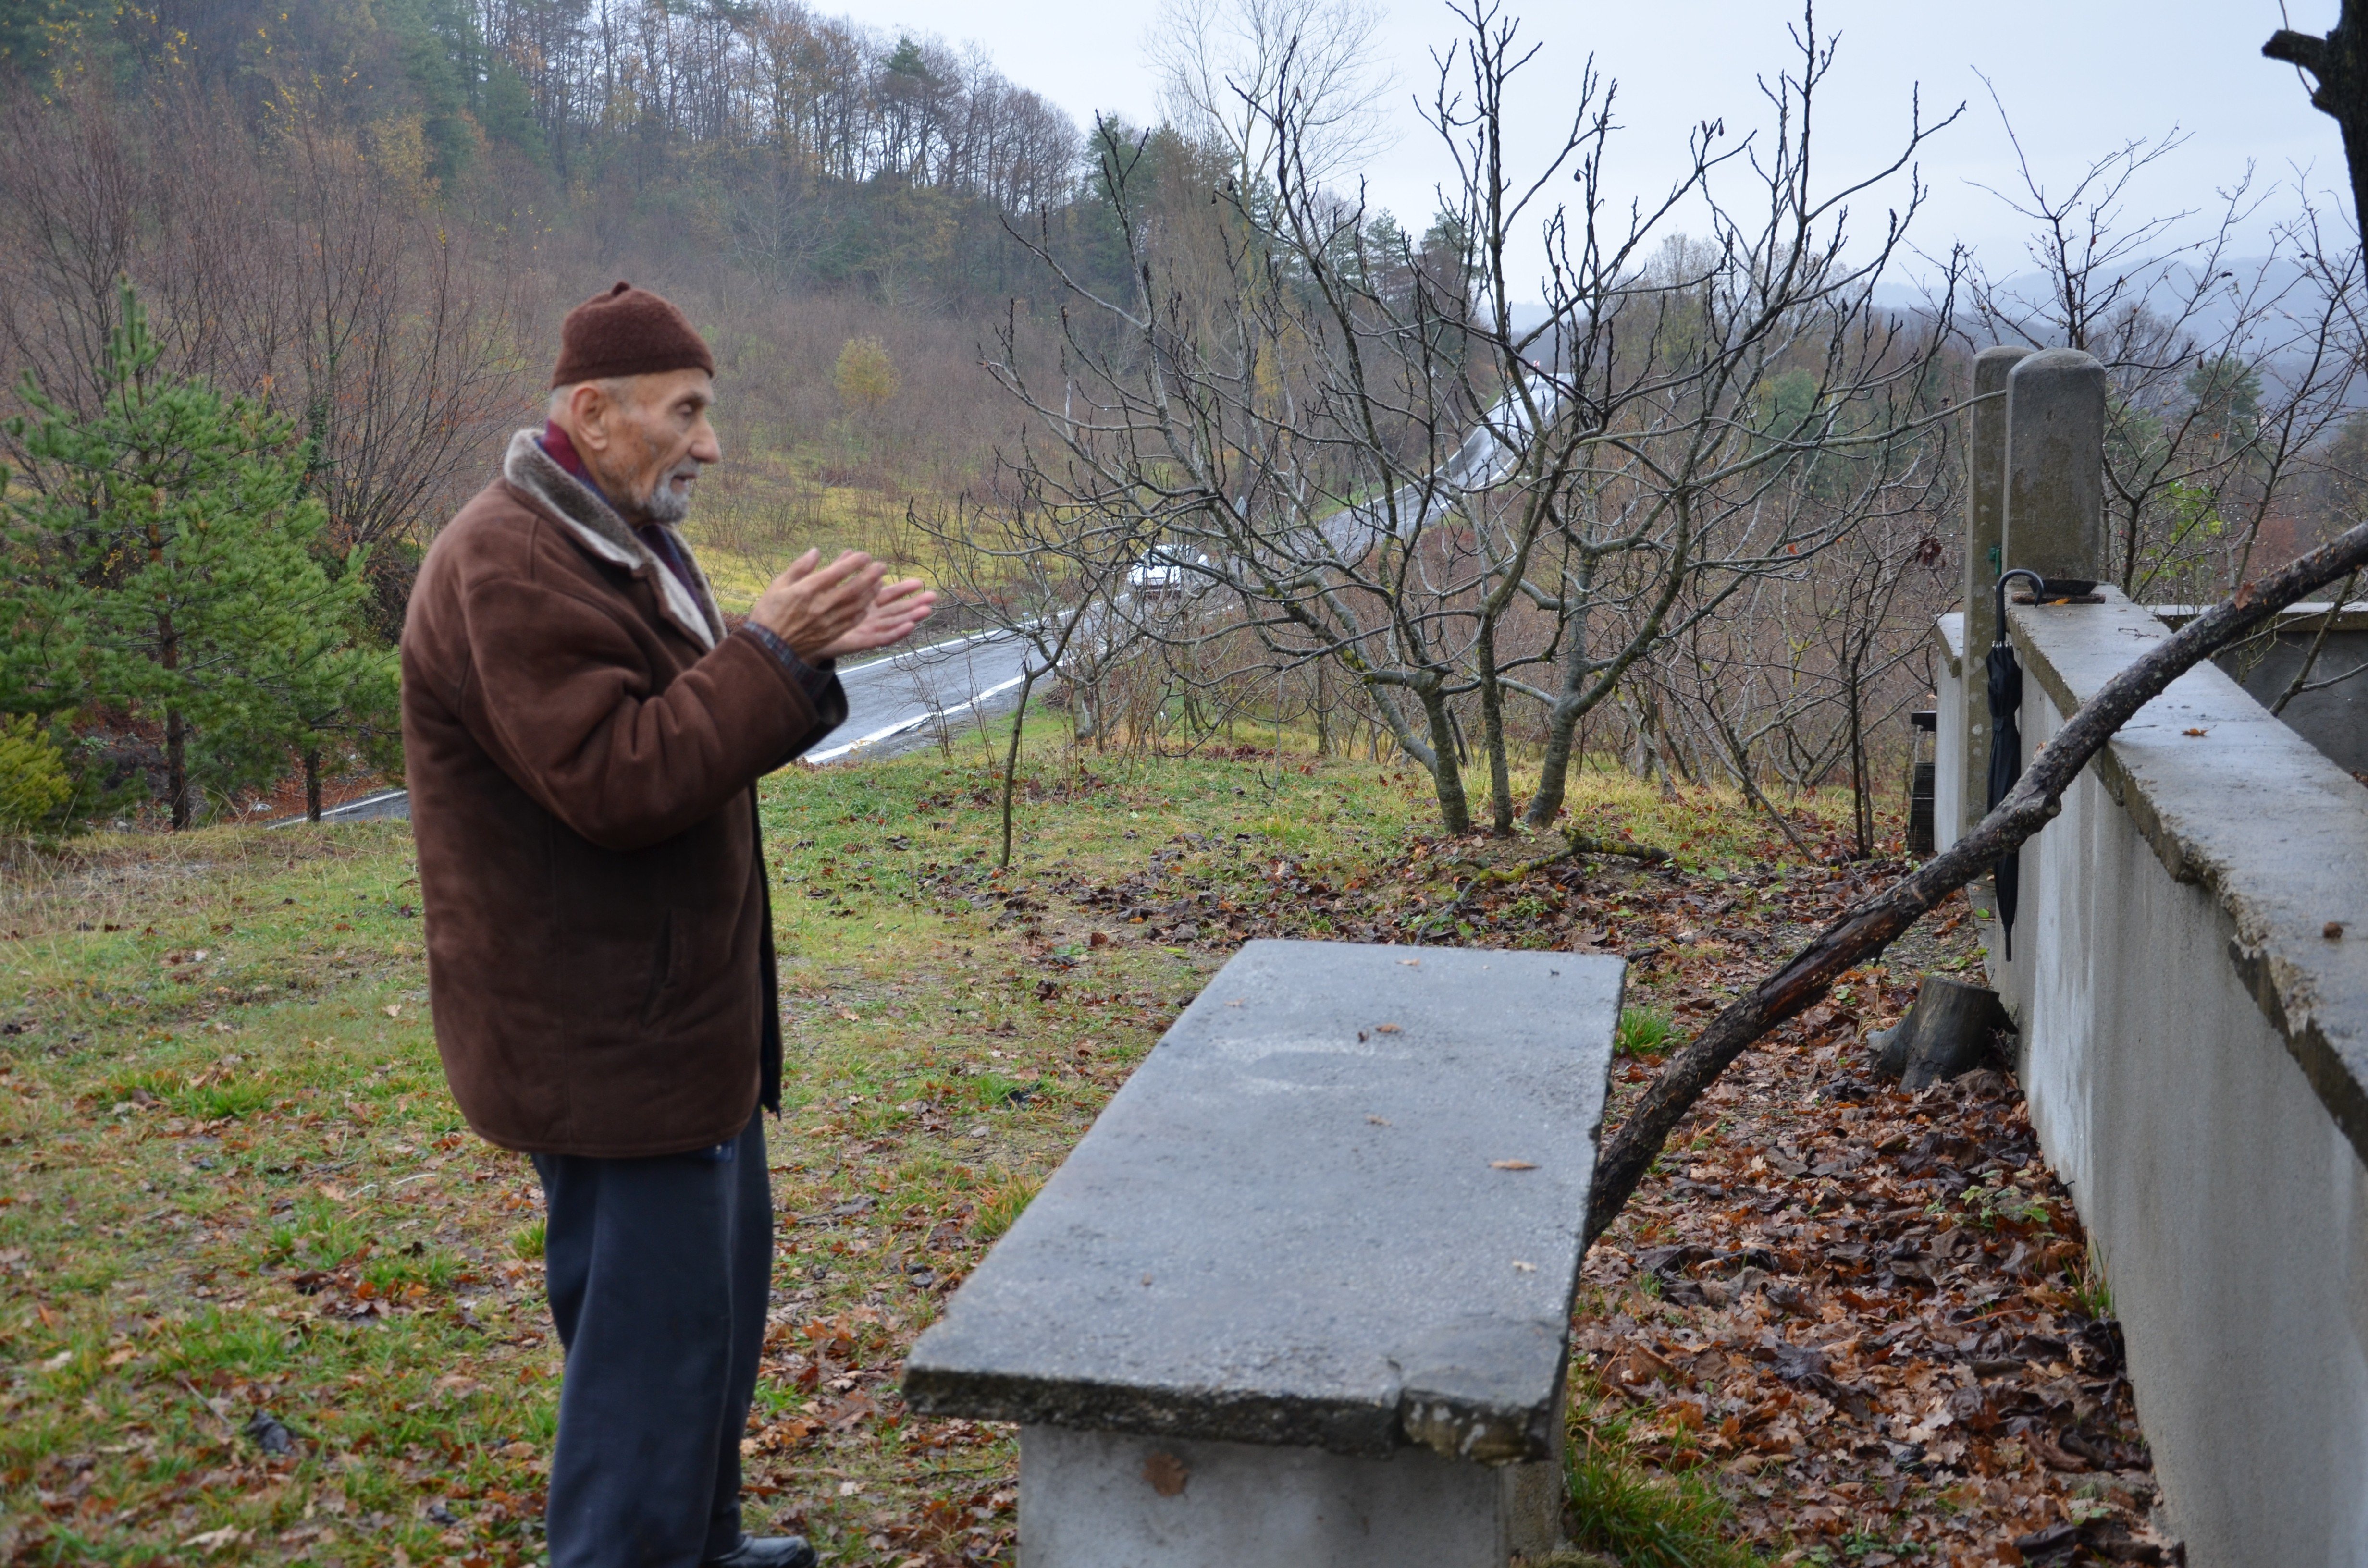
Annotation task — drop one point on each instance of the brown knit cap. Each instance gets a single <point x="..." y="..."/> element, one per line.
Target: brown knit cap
<point x="627" y="332"/>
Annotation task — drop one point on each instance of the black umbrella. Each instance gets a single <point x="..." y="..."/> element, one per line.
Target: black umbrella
<point x="2006" y="748"/>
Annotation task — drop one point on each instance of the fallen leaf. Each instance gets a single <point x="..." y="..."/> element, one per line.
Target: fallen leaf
<point x="214" y="1540"/>
<point x="2194" y="731"/>
<point x="1525" y="1267"/>
<point x="1512" y="1166"/>
<point x="1168" y="1474"/>
<point x="394" y="1010"/>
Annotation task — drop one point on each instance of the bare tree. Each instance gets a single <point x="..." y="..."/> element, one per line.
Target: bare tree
<point x="309" y="280"/>
<point x="1739" y="402"/>
<point x="2223" y="373"/>
<point x="1044" y="576"/>
<point x="1394" y="476"/>
<point x="1222" y="63"/>
<point x="401" y="341"/>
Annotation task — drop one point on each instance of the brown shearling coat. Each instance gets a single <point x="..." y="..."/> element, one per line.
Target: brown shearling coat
<point x="581" y="742"/>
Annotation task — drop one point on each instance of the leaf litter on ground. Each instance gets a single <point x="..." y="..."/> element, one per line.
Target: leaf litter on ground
<point x="1866" y="1317"/>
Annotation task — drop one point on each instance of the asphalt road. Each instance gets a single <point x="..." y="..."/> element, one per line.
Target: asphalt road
<point x="896" y="704"/>
<point x="905" y="701"/>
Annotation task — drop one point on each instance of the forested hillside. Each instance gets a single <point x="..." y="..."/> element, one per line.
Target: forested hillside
<point x="802" y="149"/>
<point x="364" y="221"/>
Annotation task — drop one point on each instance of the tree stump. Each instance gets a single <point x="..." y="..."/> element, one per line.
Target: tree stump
<point x="1947" y="1032"/>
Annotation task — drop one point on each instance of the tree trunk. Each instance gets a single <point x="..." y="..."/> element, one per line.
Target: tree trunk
<point x="1862" y="809"/>
<point x="1554" y="768"/>
<point x="177" y="769"/>
<point x="1492" y="734"/>
<point x="1869" y="926"/>
<point x="2339" y="60"/>
<point x="176" y="762"/>
<point x="1323" y="716"/>
<point x="1011" y="759"/>
<point x="312" y="784"/>
<point x="1446" y="773"/>
<point x="1646" y="755"/>
<point x="1569" y="710"/>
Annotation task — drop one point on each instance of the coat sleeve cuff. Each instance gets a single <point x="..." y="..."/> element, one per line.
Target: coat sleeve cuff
<point x="815" y="681"/>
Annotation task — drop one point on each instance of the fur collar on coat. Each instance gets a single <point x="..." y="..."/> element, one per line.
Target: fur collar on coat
<point x="606" y="535"/>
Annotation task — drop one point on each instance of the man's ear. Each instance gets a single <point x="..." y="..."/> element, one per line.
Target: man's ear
<point x="591" y="414"/>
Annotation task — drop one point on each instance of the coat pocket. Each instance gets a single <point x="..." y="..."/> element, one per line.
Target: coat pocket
<point x="666" y="967"/>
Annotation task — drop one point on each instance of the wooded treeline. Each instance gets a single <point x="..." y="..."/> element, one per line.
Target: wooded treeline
<point x="355" y="227"/>
<point x="805" y="148"/>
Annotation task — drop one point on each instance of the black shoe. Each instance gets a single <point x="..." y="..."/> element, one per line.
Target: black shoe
<point x="766" y="1551"/>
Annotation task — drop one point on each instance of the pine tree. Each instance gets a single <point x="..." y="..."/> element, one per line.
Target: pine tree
<point x="172" y="543"/>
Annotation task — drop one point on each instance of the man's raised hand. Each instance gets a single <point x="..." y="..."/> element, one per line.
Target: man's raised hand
<point x="813" y="607"/>
<point x="897" y="610"/>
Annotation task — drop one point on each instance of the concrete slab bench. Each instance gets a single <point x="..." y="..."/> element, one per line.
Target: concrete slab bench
<point x="1301" y="1296"/>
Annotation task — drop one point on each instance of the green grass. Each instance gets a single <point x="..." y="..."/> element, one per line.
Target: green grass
<point x="1643" y="1032"/>
<point x="231" y="1180"/>
<point x="2090" y="1288"/>
<point x="1001" y="1208"/>
<point x="1642" y="1518"/>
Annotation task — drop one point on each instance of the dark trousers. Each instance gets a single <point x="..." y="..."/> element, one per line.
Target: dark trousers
<point x="659" y="1271"/>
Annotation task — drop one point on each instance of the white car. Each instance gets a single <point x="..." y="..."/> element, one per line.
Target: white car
<point x="1159" y="572"/>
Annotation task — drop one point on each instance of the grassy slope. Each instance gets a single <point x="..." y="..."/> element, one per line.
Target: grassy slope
<point x="763" y="508"/>
<point x="232" y="1184"/>
<point x="231" y="1180"/>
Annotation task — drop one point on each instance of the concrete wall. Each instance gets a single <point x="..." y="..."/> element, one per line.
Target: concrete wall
<point x="2335" y="718"/>
<point x="2191" y="1047"/>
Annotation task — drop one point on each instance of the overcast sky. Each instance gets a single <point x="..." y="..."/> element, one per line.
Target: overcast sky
<point x="2079" y="77"/>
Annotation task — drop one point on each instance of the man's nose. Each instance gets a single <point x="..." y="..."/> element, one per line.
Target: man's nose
<point x="704" y="447"/>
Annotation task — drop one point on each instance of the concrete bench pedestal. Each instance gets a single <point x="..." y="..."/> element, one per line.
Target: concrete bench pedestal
<point x="1301" y="1296"/>
<point x="1107" y="1498"/>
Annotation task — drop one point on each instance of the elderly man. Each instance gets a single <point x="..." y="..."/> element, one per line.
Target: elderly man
<point x="582" y="741"/>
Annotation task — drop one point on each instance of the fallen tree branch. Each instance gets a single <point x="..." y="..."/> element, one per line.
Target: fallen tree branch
<point x="1871" y="924"/>
<point x="1580" y="844"/>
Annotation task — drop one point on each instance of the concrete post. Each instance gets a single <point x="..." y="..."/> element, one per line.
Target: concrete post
<point x="2055" y="465"/>
<point x="1984" y="532"/>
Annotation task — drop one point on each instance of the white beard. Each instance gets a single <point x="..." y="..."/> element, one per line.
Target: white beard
<point x="666" y="505"/>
